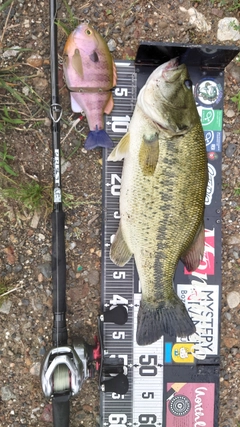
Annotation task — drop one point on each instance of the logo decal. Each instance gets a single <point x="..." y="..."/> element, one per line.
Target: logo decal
<point x="211" y="184"/>
<point x="208" y="92"/>
<point x="211" y="119"/>
<point x="213" y="140"/>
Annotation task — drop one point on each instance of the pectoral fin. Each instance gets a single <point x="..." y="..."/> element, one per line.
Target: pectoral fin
<point x="77" y="63"/>
<point x="148" y="154"/>
<point x="194" y="255"/>
<point x="121" y="150"/>
<point x="109" y="105"/>
<point x="120" y="254"/>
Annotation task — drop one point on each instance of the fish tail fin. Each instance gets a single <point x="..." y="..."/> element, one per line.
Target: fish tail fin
<point x="168" y="318"/>
<point x="98" y="138"/>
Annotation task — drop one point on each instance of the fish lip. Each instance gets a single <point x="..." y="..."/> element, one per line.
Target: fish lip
<point x="172" y="64"/>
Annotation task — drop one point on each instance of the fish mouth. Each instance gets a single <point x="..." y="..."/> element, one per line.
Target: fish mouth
<point x="172" y="71"/>
<point x="172" y="64"/>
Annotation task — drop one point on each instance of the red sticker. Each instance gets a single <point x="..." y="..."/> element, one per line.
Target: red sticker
<point x="207" y="265"/>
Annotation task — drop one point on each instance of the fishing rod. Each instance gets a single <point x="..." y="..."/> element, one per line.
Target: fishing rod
<point x="65" y="367"/>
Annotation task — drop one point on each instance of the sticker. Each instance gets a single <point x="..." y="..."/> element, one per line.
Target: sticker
<point x="180" y="353"/>
<point x="207" y="264"/>
<point x="202" y="303"/>
<point x="190" y="404"/>
<point x="211" y="184"/>
<point x="211" y="155"/>
<point x="213" y="140"/>
<point x="208" y="92"/>
<point x="57" y="197"/>
<point x="210" y="119"/>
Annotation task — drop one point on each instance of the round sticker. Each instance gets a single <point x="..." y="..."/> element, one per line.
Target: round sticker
<point x="208" y="92"/>
<point x="179" y="405"/>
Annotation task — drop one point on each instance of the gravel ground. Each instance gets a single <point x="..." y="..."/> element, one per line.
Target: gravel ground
<point x="25" y="235"/>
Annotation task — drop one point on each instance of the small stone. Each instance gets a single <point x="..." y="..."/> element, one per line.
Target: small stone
<point x="26" y="90"/>
<point x="65" y="165"/>
<point x="112" y="45"/>
<point x="40" y="277"/>
<point x="198" y="20"/>
<point x="26" y="23"/>
<point x="41" y="237"/>
<point x="72" y="245"/>
<point x="7" y="394"/>
<point x="47" y="257"/>
<point x="35" y="60"/>
<point x="234" y="71"/>
<point x="47" y="414"/>
<point x="217" y="12"/>
<point x="46" y="270"/>
<point x="230" y="342"/>
<point x="233" y="299"/>
<point x="129" y="21"/>
<point x="40" y="83"/>
<point x="231" y="148"/>
<point x="230" y="113"/>
<point x="28" y="361"/>
<point x="5" y="307"/>
<point x="234" y="351"/>
<point x="17" y="268"/>
<point x="233" y="240"/>
<point x="162" y="25"/>
<point x="228" y="316"/>
<point x="226" y="29"/>
<point x="99" y="253"/>
<point x="13" y="51"/>
<point x="35" y="220"/>
<point x="35" y="369"/>
<point x="93" y="277"/>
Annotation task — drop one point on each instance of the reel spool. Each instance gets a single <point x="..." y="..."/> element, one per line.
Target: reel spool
<point x="65" y="368"/>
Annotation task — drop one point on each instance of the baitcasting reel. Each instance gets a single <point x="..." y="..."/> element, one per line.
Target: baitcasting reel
<point x="65" y="368"/>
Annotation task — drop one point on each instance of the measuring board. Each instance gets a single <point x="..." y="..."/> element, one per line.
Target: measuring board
<point x="174" y="381"/>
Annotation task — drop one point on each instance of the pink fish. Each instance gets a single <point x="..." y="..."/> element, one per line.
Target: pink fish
<point x="90" y="75"/>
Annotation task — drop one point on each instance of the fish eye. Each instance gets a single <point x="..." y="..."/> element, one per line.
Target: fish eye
<point x="88" y="32"/>
<point x="188" y="84"/>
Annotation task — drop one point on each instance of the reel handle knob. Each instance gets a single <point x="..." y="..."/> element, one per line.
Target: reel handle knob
<point x="117" y="315"/>
<point x="118" y="384"/>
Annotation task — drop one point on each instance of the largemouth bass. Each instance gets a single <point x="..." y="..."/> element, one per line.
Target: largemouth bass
<point x="163" y="189"/>
<point x="90" y="74"/>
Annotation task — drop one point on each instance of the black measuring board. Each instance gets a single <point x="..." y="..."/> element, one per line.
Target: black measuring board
<point x="173" y="382"/>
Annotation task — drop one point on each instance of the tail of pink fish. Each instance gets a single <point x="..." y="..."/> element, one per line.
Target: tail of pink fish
<point x="98" y="138"/>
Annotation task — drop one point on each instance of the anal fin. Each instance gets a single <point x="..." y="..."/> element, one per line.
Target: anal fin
<point x="120" y="151"/>
<point x="192" y="258"/>
<point x="109" y="106"/>
<point x="120" y="254"/>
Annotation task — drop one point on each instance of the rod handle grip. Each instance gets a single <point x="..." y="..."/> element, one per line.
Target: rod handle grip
<point x="58" y="262"/>
<point x="61" y="411"/>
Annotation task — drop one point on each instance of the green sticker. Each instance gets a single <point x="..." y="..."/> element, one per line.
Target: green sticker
<point x="211" y="119"/>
